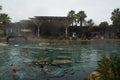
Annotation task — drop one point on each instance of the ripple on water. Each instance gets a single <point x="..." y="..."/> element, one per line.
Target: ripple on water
<point x="88" y="55"/>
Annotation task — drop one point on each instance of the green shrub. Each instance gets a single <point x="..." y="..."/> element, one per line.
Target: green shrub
<point x="109" y="68"/>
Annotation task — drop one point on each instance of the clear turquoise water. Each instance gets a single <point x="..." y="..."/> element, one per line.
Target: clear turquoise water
<point x="86" y="53"/>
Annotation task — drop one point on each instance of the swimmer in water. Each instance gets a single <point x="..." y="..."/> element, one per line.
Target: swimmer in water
<point x="15" y="74"/>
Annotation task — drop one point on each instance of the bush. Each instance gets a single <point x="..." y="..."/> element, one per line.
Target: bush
<point x="109" y="68"/>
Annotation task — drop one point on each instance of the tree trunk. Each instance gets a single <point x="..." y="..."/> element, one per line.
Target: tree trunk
<point x="38" y="31"/>
<point x="4" y="30"/>
<point x="81" y="22"/>
<point x="66" y="33"/>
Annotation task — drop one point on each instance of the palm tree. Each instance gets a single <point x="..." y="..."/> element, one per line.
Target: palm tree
<point x="81" y="17"/>
<point x="0" y="7"/>
<point x="69" y="20"/>
<point x="90" y="24"/>
<point x="116" y="18"/>
<point x="71" y="15"/>
<point x="4" y="19"/>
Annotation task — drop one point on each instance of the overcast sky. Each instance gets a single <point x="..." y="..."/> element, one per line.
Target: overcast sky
<point x="98" y="10"/>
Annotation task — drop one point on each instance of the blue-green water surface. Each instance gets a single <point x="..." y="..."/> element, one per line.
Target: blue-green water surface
<point x="84" y="56"/>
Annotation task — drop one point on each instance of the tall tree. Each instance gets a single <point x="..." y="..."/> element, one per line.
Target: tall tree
<point x="103" y="26"/>
<point x="4" y="19"/>
<point x="0" y="7"/>
<point x="81" y="17"/>
<point x="90" y="24"/>
<point x="71" y="15"/>
<point x="116" y="18"/>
